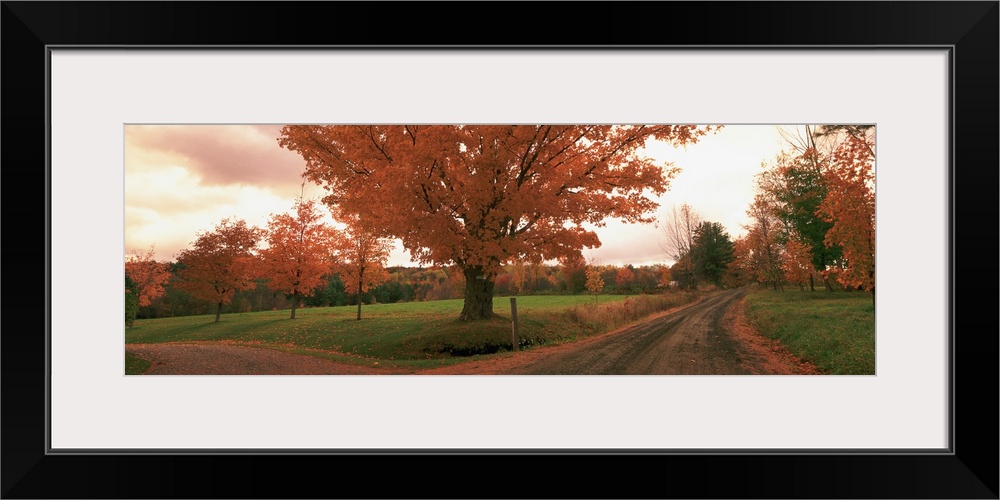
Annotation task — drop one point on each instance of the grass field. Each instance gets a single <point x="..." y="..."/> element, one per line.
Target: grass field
<point x="411" y="334"/>
<point x="135" y="365"/>
<point x="835" y="331"/>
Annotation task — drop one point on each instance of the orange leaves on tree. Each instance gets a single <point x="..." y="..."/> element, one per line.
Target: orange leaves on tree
<point x="572" y="273"/>
<point x="624" y="276"/>
<point x="797" y="262"/>
<point x="220" y="262"/>
<point x="362" y="254"/>
<point x="759" y="251"/>
<point x="480" y="196"/>
<point x="148" y="274"/>
<point x="815" y="211"/>
<point x="665" y="277"/>
<point x="519" y="276"/>
<point x="595" y="284"/>
<point x="850" y="206"/>
<point x="300" y="250"/>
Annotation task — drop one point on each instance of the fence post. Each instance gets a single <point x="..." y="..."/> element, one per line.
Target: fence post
<point x="513" y="320"/>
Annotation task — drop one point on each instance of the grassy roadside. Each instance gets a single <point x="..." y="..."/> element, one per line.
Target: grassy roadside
<point x="413" y="334"/>
<point x="835" y="331"/>
<point x="134" y="365"/>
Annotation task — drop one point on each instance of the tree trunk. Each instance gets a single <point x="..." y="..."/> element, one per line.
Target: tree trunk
<point x="478" y="295"/>
<point x="871" y="276"/>
<point x="361" y="283"/>
<point x="812" y="283"/>
<point x="295" y="302"/>
<point x="826" y="281"/>
<point x="218" y="311"/>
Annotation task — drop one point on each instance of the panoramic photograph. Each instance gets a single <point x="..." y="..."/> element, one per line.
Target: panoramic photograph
<point x="497" y="249"/>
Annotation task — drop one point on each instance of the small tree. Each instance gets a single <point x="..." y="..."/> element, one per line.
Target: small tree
<point x="147" y="274"/>
<point x="679" y="230"/>
<point x="299" y="253"/>
<point x="760" y="252"/>
<point x="594" y="281"/>
<point x="221" y="262"/>
<point x="712" y="252"/>
<point x="624" y="278"/>
<point x="519" y="276"/>
<point x="798" y="262"/>
<point x="363" y="254"/>
<point x="683" y="273"/>
<point x="665" y="277"/>
<point x="572" y="275"/>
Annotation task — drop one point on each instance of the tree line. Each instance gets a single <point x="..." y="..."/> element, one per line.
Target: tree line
<point x="293" y="255"/>
<point x="812" y="220"/>
<point x="155" y="288"/>
<point x="813" y="216"/>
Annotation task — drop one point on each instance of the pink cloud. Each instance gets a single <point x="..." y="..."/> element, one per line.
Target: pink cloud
<point x="226" y="154"/>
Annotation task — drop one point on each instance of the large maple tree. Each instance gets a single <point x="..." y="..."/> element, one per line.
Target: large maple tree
<point x="481" y="196"/>
<point x="300" y="250"/>
<point x="220" y="262"/>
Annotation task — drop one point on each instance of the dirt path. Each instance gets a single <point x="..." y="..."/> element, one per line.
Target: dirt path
<point x="223" y="359"/>
<point x="690" y="340"/>
<point x="709" y="337"/>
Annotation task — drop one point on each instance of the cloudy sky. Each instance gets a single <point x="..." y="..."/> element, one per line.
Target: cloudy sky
<point x="183" y="179"/>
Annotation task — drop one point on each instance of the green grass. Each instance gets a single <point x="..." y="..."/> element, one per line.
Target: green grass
<point x="134" y="365"/>
<point x="412" y="334"/>
<point x="835" y="331"/>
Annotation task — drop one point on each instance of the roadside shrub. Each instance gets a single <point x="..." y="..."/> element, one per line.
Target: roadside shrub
<point x="613" y="315"/>
<point x="460" y="348"/>
<point x="131" y="302"/>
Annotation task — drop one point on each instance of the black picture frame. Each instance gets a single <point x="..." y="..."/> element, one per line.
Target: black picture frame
<point x="969" y="28"/>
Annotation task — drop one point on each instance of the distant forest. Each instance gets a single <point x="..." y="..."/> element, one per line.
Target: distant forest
<point x="407" y="284"/>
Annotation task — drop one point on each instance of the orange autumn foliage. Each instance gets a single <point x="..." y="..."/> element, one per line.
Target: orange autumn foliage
<point x="299" y="252"/>
<point x="759" y="251"/>
<point x="624" y="276"/>
<point x="850" y="206"/>
<point x="362" y="253"/>
<point x="220" y="262"/>
<point x="595" y="284"/>
<point x="797" y="262"/>
<point x="149" y="275"/>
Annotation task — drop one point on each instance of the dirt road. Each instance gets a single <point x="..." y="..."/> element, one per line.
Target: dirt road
<point x="688" y="342"/>
<point x="709" y="337"/>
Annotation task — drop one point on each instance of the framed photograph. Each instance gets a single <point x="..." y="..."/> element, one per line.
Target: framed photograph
<point x="82" y="77"/>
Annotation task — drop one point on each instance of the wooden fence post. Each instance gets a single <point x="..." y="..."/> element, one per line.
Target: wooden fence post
<point x="513" y="320"/>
